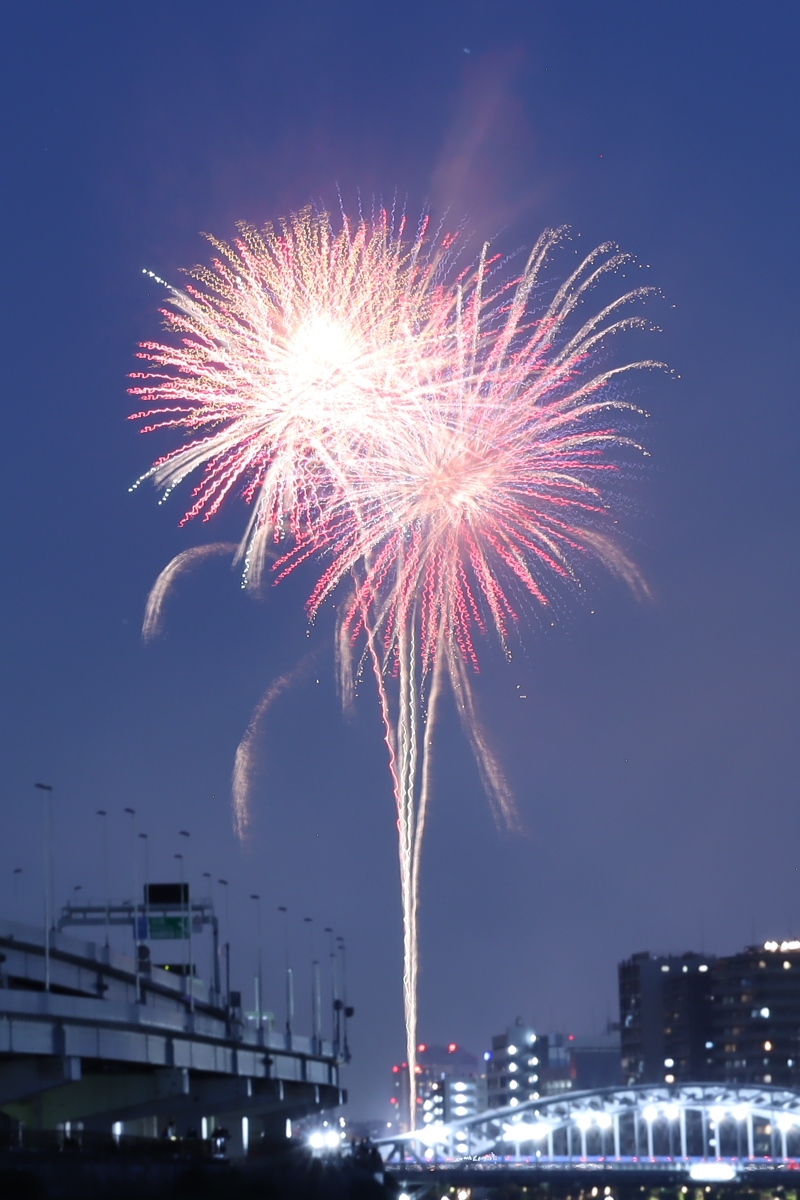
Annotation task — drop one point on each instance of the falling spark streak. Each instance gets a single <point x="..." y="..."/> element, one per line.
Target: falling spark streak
<point x="442" y="444"/>
<point x="244" y="762"/>
<point x="153" y="623"/>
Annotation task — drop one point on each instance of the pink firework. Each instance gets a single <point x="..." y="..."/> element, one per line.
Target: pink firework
<point x="291" y="351"/>
<point x="445" y="450"/>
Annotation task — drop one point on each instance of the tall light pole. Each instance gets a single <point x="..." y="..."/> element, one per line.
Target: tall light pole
<point x="334" y="995"/>
<point x="309" y="924"/>
<point x="184" y="833"/>
<point x="146" y="842"/>
<point x="132" y="814"/>
<point x="48" y="875"/>
<point x="224" y="884"/>
<point x="101" y="812"/>
<point x="14" y="876"/>
<point x="289" y="977"/>
<point x="259" y="982"/>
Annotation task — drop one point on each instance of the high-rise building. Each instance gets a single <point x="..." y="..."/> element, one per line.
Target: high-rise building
<point x="696" y="1018"/>
<point x="663" y="1011"/>
<point x="755" y="1019"/>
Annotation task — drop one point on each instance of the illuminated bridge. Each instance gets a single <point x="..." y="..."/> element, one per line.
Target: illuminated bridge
<point x="697" y="1133"/>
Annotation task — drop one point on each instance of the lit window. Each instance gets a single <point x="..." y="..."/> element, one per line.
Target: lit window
<point x="703" y="967"/>
<point x="764" y="1012"/>
<point x="669" y="1062"/>
<point x="787" y="966"/>
<point x="665" y="967"/>
<point x="669" y="1079"/>
<point x="767" y="1045"/>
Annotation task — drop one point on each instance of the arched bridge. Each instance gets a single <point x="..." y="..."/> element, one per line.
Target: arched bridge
<point x="708" y="1132"/>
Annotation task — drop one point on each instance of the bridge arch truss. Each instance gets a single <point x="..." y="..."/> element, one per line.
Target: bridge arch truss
<point x="694" y="1122"/>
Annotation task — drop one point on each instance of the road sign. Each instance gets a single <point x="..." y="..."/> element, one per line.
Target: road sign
<point x="168" y="927"/>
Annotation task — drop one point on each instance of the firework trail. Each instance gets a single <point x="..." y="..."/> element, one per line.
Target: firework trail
<point x="244" y="762"/>
<point x="448" y="455"/>
<point x="153" y="623"/>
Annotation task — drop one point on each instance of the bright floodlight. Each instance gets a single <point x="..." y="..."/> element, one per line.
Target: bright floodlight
<point x="527" y="1131"/>
<point x="650" y="1113"/>
<point x="741" y="1111"/>
<point x="434" y="1135"/>
<point x="316" y="1140"/>
<point x="712" y="1172"/>
<point x="717" y="1113"/>
<point x="584" y="1121"/>
<point x="786" y="1121"/>
<point x="671" y="1111"/>
<point x="603" y="1120"/>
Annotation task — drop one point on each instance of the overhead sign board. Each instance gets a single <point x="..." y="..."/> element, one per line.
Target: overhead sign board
<point x="161" y="928"/>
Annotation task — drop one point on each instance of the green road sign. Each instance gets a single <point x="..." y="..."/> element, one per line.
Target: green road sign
<point x="168" y="927"/>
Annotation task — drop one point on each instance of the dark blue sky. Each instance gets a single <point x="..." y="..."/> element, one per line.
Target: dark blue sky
<point x="655" y="759"/>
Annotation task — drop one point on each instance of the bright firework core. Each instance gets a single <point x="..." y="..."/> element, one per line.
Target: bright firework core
<point x="439" y="448"/>
<point x="323" y="360"/>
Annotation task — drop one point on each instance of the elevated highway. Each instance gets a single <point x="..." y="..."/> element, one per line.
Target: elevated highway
<point x="89" y="1040"/>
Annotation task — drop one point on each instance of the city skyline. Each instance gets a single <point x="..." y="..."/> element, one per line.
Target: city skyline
<point x="650" y="747"/>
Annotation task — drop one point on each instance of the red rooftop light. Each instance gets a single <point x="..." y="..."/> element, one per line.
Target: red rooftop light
<point x="452" y="1047"/>
<point x="421" y="1048"/>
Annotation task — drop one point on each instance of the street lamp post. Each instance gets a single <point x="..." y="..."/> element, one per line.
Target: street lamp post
<point x="101" y="812"/>
<point x="146" y="843"/>
<point x="48" y="876"/>
<point x="14" y="877"/>
<point x="224" y="883"/>
<point x="184" y="833"/>
<point x="132" y="814"/>
<point x="255" y="896"/>
<point x="289" y="977"/>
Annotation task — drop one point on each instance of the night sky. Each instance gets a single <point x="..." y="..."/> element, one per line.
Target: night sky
<point x="655" y="757"/>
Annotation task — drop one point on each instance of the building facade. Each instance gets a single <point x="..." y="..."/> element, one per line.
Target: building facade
<point x="697" y="1018"/>
<point x="513" y="1066"/>
<point x="450" y="1084"/>
<point x="664" y="1017"/>
<point x="755" y="1018"/>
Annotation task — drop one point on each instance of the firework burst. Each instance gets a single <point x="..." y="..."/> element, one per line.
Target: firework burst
<point x="443" y="445"/>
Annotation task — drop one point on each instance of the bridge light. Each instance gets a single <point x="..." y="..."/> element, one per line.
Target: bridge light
<point x="650" y="1113"/>
<point x="604" y="1120"/>
<point x="434" y="1135"/>
<point x="712" y="1172"/>
<point x="741" y="1112"/>
<point x="786" y="1122"/>
<point x="671" y="1111"/>
<point x="717" y="1113"/>
<point x="584" y="1121"/>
